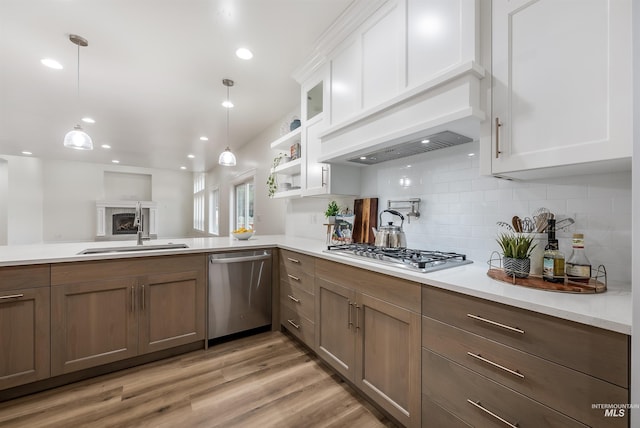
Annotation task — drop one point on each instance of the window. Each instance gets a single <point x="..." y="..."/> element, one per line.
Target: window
<point x="198" y="202"/>
<point x="214" y="217"/>
<point x="244" y="193"/>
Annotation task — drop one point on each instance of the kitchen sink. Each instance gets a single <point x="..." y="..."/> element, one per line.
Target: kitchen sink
<point x="132" y="248"/>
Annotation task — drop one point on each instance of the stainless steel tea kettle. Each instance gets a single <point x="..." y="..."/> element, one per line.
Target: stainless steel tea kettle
<point x="390" y="235"/>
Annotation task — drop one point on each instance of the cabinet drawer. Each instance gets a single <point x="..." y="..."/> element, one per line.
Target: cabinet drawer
<point x="434" y="416"/>
<point x="297" y="299"/>
<point x="564" y="389"/>
<point x="298" y="325"/>
<point x="480" y="401"/>
<point x="297" y="269"/>
<point x="17" y="277"/>
<point x="400" y="292"/>
<point x="598" y="352"/>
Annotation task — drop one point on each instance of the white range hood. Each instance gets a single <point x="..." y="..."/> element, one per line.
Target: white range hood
<point x="450" y="103"/>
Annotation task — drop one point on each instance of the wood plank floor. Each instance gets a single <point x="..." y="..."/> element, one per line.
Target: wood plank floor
<point x="266" y="380"/>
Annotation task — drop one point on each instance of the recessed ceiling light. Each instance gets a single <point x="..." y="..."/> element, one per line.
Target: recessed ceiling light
<point x="408" y="166"/>
<point x="183" y="167"/>
<point x="425" y="141"/>
<point x="244" y="53"/>
<point x="191" y="156"/>
<point x="471" y="155"/>
<point x="115" y="161"/>
<point x="105" y="146"/>
<point x="363" y="157"/>
<point x="51" y="63"/>
<point x="227" y="104"/>
<point x="88" y="120"/>
<point x="26" y="153"/>
<point x="203" y="138"/>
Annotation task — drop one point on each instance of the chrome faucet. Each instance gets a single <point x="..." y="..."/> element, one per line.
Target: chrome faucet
<point x="137" y="221"/>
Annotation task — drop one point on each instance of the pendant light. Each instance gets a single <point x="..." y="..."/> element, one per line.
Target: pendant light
<point x="77" y="138"/>
<point x="227" y="158"/>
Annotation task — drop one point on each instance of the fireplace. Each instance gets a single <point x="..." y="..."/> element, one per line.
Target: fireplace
<point x="114" y="220"/>
<point x="122" y="224"/>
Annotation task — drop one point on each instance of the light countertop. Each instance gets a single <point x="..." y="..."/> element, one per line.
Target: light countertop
<point x="610" y="310"/>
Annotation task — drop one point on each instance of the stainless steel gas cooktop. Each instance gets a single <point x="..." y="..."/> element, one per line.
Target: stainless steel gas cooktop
<point x="415" y="260"/>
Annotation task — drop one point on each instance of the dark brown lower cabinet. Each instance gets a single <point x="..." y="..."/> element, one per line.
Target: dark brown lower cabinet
<point x="24" y="336"/>
<point x="366" y="330"/>
<point x="112" y="310"/>
<point x="489" y="364"/>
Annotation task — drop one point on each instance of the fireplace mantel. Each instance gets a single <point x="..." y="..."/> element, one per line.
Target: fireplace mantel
<point x="104" y="211"/>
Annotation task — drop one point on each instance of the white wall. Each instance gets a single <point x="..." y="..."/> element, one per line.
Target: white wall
<point x="24" y="200"/>
<point x="253" y="158"/>
<point x="54" y="201"/>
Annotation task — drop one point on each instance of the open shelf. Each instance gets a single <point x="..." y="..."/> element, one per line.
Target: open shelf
<point x="289" y="168"/>
<point x="288" y="193"/>
<point x="284" y="142"/>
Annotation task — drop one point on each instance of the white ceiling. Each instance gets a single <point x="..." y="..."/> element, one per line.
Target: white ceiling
<point x="152" y="74"/>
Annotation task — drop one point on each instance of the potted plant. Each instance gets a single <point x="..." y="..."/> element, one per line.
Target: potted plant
<point x="516" y="250"/>
<point x="272" y="182"/>
<point x="332" y="211"/>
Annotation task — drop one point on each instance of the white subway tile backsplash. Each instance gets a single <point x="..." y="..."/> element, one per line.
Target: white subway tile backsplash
<point x="460" y="208"/>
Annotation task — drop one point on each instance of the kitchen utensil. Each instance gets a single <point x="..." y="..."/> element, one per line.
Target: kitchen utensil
<point x="505" y="225"/>
<point x="528" y="225"/>
<point x="390" y="235"/>
<point x="517" y="223"/>
<point x="540" y="218"/>
<point x="365" y="210"/>
<point x="564" y="223"/>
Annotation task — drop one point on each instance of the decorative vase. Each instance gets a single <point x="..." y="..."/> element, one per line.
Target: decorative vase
<point x="516" y="267"/>
<point x="331" y="219"/>
<point x="295" y="124"/>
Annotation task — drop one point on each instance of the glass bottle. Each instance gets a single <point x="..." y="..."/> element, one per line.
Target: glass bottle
<point x="578" y="265"/>
<point x="553" y="261"/>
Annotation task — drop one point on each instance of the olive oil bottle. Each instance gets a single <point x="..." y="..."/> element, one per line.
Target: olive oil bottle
<point x="553" y="262"/>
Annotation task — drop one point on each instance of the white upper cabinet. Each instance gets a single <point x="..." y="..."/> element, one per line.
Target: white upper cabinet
<point x="407" y="70"/>
<point x="345" y="83"/>
<point x="441" y="36"/>
<point x="561" y="90"/>
<point x="382" y="58"/>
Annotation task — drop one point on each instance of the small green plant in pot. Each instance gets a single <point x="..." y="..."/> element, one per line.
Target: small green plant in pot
<point x="332" y="211"/>
<point x="516" y="250"/>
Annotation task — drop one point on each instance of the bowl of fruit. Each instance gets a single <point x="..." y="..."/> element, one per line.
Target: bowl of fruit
<point x="243" y="234"/>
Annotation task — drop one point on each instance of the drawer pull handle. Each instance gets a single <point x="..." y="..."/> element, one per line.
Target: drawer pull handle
<point x="478" y="405"/>
<point x="496" y="365"/>
<point x="350" y="320"/>
<point x="12" y="296"/>
<point x="293" y="298"/>
<point x="133" y="299"/>
<point x="296" y="326"/>
<point x="497" y="324"/>
<point x="293" y="260"/>
<point x="295" y="278"/>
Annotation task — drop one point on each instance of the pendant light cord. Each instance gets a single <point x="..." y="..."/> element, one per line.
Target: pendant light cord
<point x="228" y="118"/>
<point x="78" y="77"/>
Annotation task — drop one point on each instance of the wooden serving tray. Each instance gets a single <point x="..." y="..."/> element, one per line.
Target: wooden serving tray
<point x="592" y="287"/>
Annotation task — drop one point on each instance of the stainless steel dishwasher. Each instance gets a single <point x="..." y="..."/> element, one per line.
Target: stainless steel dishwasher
<point x="239" y="292"/>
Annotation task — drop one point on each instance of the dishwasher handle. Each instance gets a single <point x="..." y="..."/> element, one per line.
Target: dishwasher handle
<point x="240" y="259"/>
